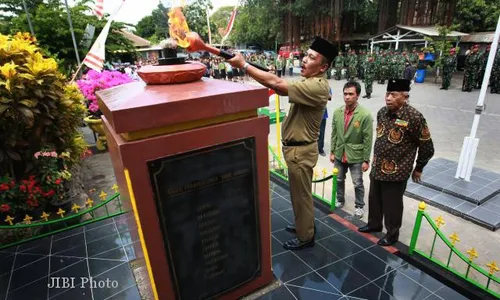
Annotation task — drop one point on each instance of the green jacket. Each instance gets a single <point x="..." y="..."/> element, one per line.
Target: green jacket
<point x="356" y="142"/>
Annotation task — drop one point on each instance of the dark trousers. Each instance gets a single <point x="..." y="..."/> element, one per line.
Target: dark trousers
<point x="386" y="201"/>
<point x="321" y="140"/>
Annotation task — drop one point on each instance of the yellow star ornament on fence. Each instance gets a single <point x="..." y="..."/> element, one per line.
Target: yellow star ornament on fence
<point x="439" y="221"/>
<point x="89" y="202"/>
<point x="75" y="208"/>
<point x="115" y="188"/>
<point x="27" y="219"/>
<point x="493" y="267"/>
<point x="103" y="195"/>
<point x="61" y="212"/>
<point x="454" y="238"/>
<point x="324" y="172"/>
<point x="472" y="254"/>
<point x="9" y="220"/>
<point x="45" y="216"/>
<point x="315" y="174"/>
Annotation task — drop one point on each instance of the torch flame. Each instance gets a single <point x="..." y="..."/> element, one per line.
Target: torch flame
<point x="178" y="27"/>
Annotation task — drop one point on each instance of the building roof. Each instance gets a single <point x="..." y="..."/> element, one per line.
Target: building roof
<point x="430" y="31"/>
<point x="136" y="40"/>
<point x="478" y="37"/>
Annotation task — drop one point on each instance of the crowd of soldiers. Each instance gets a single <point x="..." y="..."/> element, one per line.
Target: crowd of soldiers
<point x="475" y="66"/>
<point x="380" y="66"/>
<point x="387" y="64"/>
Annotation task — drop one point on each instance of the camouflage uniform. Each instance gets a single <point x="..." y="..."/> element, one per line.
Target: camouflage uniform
<point x="369" y="76"/>
<point x="352" y="67"/>
<point x="495" y="75"/>
<point x="339" y="65"/>
<point x="361" y="64"/>
<point x="483" y="60"/>
<point x="449" y="66"/>
<point x="472" y="64"/>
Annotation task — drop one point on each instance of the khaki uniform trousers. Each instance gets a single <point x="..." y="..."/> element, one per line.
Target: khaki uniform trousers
<point x="300" y="161"/>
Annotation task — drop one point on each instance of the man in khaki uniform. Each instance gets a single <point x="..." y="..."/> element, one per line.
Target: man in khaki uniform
<point x="308" y="97"/>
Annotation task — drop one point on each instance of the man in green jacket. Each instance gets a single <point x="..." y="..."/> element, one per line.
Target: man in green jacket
<point x="351" y="145"/>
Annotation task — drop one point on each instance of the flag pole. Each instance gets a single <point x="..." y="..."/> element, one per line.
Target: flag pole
<point x="29" y="18"/>
<point x="72" y="32"/>
<point x="208" y="25"/>
<point x="470" y="144"/>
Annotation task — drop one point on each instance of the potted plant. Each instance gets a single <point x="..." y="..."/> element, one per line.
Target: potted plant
<point x="40" y="141"/>
<point x="92" y="82"/>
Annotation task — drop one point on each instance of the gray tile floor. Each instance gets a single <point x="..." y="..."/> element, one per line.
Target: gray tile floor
<point x="477" y="200"/>
<point x="342" y="265"/>
<point x="100" y="250"/>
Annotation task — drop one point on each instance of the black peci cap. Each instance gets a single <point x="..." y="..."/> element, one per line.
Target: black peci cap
<point x="323" y="47"/>
<point x="398" y="85"/>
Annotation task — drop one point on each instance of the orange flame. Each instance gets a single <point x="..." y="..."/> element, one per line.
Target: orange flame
<point x="178" y="27"/>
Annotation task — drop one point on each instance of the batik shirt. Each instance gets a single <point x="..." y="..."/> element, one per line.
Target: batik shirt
<point x="399" y="136"/>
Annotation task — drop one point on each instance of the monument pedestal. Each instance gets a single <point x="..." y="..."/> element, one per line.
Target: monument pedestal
<point x="197" y="160"/>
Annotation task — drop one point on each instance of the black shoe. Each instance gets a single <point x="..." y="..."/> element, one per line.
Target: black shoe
<point x="291" y="228"/>
<point x="322" y="153"/>
<point x="367" y="229"/>
<point x="365" y="96"/>
<point x="442" y="88"/>
<point x="368" y="96"/>
<point x="296" y="244"/>
<point x="387" y="241"/>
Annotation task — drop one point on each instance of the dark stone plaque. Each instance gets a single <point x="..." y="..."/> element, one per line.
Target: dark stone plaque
<point x="208" y="208"/>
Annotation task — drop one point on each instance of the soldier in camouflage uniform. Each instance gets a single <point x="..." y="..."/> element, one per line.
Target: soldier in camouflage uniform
<point x="369" y="75"/>
<point x="495" y="75"/>
<point x="472" y="65"/>
<point x="449" y="66"/>
<point x="339" y="65"/>
<point x="384" y="68"/>
<point x="352" y="65"/>
<point x="361" y="64"/>
<point x="483" y="61"/>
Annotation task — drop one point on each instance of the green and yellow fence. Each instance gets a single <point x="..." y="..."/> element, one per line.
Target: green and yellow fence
<point x="279" y="169"/>
<point x="488" y="276"/>
<point x="33" y="227"/>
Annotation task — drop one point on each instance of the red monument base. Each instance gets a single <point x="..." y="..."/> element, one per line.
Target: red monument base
<point x="194" y="160"/>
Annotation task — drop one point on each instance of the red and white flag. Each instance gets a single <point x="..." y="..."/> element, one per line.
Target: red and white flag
<point x="95" y="57"/>
<point x="230" y="24"/>
<point x="99" y="9"/>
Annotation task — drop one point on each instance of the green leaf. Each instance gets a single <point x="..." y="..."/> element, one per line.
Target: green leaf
<point x="38" y="93"/>
<point x="13" y="155"/>
<point x="29" y="103"/>
<point x="5" y="100"/>
<point x="27" y="113"/>
<point x="26" y="76"/>
<point x="3" y="108"/>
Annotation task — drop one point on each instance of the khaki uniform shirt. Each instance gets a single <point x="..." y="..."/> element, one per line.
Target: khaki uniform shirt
<point x="308" y="98"/>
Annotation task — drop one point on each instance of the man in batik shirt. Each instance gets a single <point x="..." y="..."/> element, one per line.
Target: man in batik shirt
<point x="401" y="132"/>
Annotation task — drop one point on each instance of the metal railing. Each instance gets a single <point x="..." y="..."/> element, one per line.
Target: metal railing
<point x="278" y="168"/>
<point x="29" y="229"/>
<point x="450" y="243"/>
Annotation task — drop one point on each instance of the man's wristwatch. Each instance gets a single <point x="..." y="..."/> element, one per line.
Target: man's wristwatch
<point x="245" y="66"/>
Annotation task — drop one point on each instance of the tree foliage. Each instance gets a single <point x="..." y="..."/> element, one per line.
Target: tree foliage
<point x="154" y="27"/>
<point x="258" y="22"/>
<point x="477" y="15"/>
<point x="50" y="23"/>
<point x="196" y="16"/>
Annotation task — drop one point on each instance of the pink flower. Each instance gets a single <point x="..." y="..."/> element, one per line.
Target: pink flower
<point x="37" y="154"/>
<point x="53" y="154"/>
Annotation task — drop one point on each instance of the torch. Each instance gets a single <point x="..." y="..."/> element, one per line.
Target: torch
<point x="197" y="44"/>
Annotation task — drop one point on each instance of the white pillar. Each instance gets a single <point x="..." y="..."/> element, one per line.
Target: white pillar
<point x="371" y="47"/>
<point x="397" y="39"/>
<point x="469" y="147"/>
